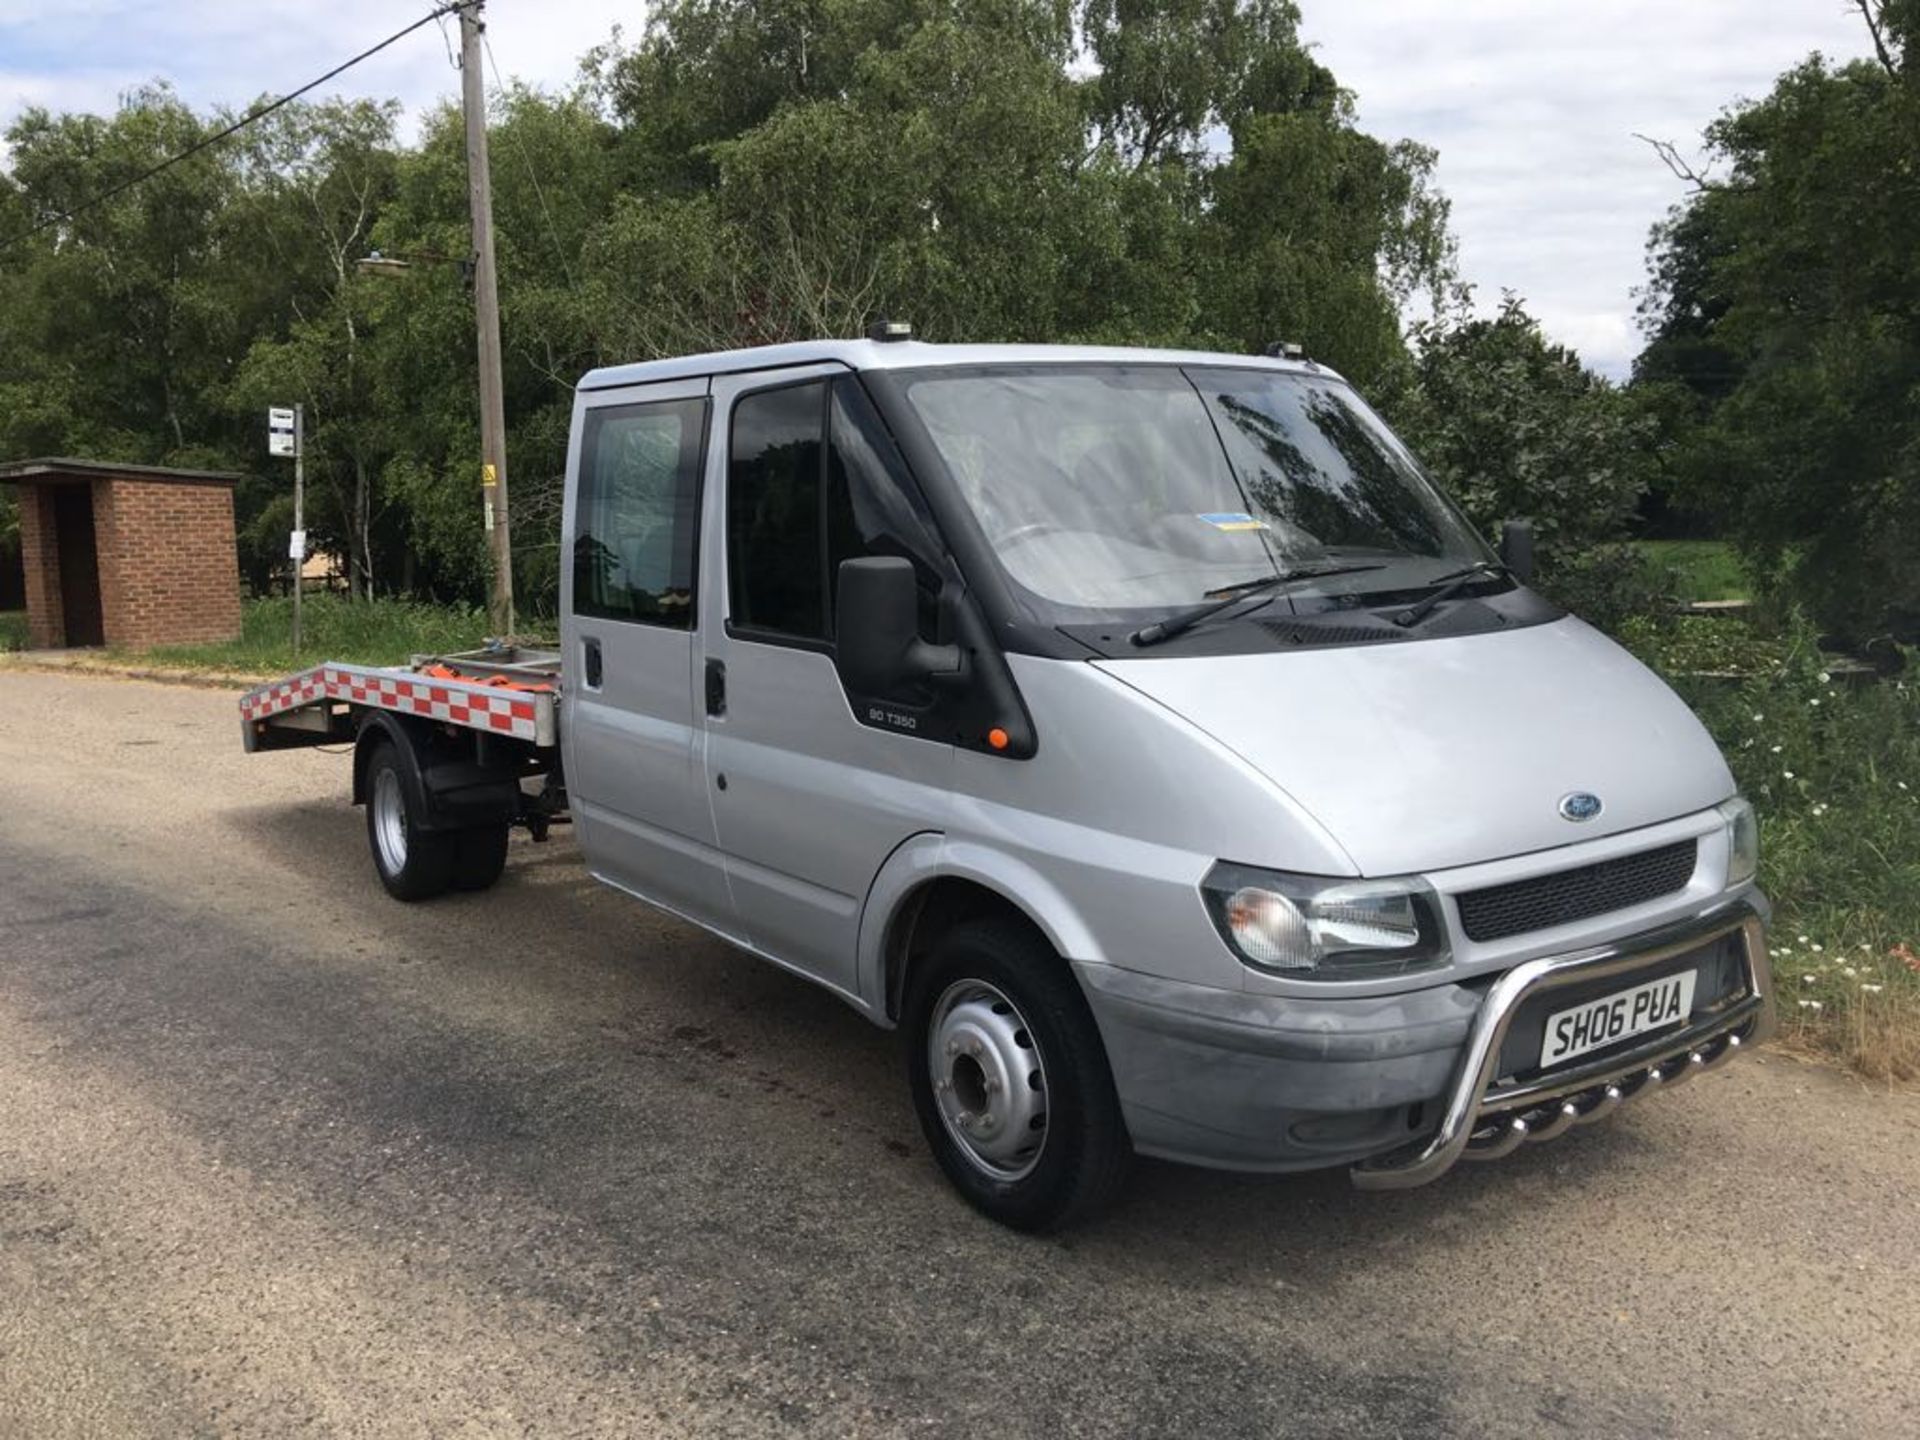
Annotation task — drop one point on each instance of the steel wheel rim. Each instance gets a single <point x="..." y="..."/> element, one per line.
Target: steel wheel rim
<point x="390" y="821"/>
<point x="989" y="1079"/>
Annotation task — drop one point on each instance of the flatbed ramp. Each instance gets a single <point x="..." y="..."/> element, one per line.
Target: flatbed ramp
<point x="514" y="698"/>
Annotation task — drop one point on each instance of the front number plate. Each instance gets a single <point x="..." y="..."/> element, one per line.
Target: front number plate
<point x="1652" y="1006"/>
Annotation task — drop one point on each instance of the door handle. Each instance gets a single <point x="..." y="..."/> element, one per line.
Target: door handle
<point x="590" y="657"/>
<point x="716" y="687"/>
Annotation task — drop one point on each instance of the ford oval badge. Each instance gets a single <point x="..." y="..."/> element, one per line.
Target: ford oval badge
<point x="1579" y="806"/>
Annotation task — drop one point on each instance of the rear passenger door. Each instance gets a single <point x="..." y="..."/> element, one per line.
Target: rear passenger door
<point x="630" y="621"/>
<point x="808" y="802"/>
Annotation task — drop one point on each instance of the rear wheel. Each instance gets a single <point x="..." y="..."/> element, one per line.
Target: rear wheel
<point x="1010" y="1079"/>
<point x="479" y="856"/>
<point x="413" y="864"/>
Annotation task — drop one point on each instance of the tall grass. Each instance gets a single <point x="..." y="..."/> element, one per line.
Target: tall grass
<point x="13" y="630"/>
<point x="1833" y="770"/>
<point x="373" y="632"/>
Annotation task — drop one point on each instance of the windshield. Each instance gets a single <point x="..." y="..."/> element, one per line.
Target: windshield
<point x="1138" y="488"/>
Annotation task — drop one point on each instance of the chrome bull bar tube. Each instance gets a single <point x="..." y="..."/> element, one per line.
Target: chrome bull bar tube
<point x="1483" y="1120"/>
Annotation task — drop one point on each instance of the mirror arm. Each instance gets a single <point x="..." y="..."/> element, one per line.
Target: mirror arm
<point x="937" y="664"/>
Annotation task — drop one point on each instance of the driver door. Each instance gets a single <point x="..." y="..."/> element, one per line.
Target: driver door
<point x="808" y="801"/>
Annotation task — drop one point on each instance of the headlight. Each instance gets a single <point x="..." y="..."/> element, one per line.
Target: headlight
<point x="1743" y="841"/>
<point x="1313" y="928"/>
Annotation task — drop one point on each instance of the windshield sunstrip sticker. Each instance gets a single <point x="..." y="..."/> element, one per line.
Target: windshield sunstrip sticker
<point x="1232" y="520"/>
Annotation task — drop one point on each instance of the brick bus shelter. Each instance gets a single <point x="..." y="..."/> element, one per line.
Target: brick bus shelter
<point x="131" y="555"/>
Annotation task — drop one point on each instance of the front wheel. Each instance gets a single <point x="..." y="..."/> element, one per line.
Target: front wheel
<point x="1010" y="1079"/>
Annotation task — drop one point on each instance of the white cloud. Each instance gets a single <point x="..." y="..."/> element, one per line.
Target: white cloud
<point x="1533" y="107"/>
<point x="1531" y="103"/>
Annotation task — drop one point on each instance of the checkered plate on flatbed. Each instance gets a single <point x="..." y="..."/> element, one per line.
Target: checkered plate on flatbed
<point x="524" y="714"/>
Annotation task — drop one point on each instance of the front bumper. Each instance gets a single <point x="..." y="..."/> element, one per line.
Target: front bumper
<point x="1251" y="1082"/>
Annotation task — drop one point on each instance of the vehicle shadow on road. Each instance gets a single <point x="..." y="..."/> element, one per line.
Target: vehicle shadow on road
<point x="747" y="1032"/>
<point x="325" y="841"/>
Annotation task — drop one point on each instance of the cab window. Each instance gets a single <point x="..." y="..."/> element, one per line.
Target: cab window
<point x="639" y="513"/>
<point x="813" y="479"/>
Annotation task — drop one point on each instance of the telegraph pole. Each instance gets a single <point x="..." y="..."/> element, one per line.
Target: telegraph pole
<point x="486" y="308"/>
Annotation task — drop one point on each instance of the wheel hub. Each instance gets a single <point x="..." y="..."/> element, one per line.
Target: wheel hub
<point x="390" y="821"/>
<point x="989" y="1079"/>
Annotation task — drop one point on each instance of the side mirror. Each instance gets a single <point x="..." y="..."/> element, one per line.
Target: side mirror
<point x="877" y="628"/>
<point x="1516" y="549"/>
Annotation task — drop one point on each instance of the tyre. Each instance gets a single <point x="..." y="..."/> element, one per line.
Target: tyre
<point x="1010" y="1079"/>
<point x="479" y="856"/>
<point x="413" y="864"/>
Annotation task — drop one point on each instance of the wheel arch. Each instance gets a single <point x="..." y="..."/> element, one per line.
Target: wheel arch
<point x="378" y="728"/>
<point x="452" y="784"/>
<point x="932" y="882"/>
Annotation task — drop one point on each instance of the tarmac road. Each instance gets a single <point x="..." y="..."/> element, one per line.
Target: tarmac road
<point x="279" y="1156"/>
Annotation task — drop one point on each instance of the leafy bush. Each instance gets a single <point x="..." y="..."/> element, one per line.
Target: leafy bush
<point x="1513" y="425"/>
<point x="13" y="630"/>
<point x="1703" y="647"/>
<point x="1612" y="586"/>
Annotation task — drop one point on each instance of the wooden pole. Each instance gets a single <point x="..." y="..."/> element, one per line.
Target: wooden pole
<point x="299" y="513"/>
<point x="486" y="307"/>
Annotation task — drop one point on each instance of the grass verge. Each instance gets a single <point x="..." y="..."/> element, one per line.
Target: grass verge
<point x="1834" y="771"/>
<point x="1700" y="569"/>
<point x="373" y="632"/>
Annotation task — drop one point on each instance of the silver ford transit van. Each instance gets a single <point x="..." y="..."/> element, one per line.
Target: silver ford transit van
<point x="1147" y="737"/>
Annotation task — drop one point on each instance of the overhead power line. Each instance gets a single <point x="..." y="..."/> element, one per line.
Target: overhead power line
<point x="207" y="142"/>
<point x="533" y="174"/>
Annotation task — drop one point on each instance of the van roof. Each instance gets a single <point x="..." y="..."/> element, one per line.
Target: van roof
<point x="911" y="354"/>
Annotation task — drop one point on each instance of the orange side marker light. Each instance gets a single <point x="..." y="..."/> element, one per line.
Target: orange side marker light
<point x="997" y="738"/>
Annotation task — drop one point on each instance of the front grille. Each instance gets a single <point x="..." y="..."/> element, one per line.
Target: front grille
<point x="1569" y="895"/>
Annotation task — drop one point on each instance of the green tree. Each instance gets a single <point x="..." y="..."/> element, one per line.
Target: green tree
<point x="1514" y="426"/>
<point x="315" y="180"/>
<point x="749" y="171"/>
<point x="1785" y="306"/>
<point x="115" y="334"/>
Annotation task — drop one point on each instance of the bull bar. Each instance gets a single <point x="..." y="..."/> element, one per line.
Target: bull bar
<point x="1485" y="1119"/>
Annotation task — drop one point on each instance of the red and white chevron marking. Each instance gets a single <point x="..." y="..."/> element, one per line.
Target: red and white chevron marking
<point x="479" y="707"/>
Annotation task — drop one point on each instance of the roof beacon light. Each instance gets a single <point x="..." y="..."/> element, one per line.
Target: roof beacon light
<point x="1286" y="350"/>
<point x="887" y="332"/>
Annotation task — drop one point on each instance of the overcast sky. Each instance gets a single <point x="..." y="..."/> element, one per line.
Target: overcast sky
<point x="1532" y="104"/>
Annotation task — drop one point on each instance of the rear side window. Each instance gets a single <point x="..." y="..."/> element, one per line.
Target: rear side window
<point x="639" y="512"/>
<point x="814" y="478"/>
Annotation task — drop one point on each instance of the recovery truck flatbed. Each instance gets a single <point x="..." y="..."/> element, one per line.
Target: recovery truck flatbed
<point x="443" y="749"/>
<point x="496" y="691"/>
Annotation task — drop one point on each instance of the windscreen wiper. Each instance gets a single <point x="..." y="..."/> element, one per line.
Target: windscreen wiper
<point x="1231" y="595"/>
<point x="1450" y="585"/>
